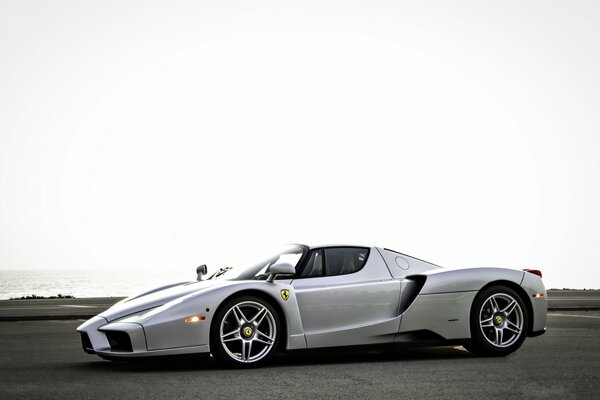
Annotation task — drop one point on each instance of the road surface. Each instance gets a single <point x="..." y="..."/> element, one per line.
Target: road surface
<point x="44" y="360"/>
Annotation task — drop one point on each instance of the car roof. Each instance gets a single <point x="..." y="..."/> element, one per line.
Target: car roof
<point x="318" y="246"/>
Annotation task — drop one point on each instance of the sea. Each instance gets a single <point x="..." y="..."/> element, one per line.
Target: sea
<point x="86" y="283"/>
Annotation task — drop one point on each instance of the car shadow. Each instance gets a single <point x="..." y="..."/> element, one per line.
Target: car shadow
<point x="360" y="355"/>
<point x="153" y="364"/>
<point x="288" y="359"/>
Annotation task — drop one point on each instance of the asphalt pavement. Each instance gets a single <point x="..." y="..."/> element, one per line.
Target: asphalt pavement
<point x="44" y="360"/>
<point x="575" y="300"/>
<point x="41" y="358"/>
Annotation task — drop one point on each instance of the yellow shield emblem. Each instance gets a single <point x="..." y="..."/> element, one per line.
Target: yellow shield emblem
<point x="285" y="294"/>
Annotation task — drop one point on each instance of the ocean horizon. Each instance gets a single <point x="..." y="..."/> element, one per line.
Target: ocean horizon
<point x="86" y="283"/>
<point x="98" y="283"/>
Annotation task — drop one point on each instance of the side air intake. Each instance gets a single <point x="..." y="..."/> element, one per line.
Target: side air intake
<point x="411" y="287"/>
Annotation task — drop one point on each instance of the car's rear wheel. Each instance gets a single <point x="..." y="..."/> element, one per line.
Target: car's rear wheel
<point x="498" y="321"/>
<point x="245" y="332"/>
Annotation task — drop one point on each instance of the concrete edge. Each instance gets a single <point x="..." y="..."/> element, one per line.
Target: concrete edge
<point x="70" y="317"/>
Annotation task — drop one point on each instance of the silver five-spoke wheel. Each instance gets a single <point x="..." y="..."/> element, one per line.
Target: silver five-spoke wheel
<point x="499" y="321"/>
<point x="246" y="331"/>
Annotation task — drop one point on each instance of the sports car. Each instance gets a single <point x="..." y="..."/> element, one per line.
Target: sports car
<point x="307" y="297"/>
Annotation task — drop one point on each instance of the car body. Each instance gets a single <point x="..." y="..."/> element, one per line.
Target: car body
<point x="306" y="297"/>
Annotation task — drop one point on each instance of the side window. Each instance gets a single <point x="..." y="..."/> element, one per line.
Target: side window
<point x="345" y="260"/>
<point x="314" y="266"/>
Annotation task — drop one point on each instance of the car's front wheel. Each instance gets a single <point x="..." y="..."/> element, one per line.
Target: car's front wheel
<point x="245" y="332"/>
<point x="499" y="322"/>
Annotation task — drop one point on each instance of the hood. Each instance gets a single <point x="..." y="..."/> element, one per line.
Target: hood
<point x="157" y="297"/>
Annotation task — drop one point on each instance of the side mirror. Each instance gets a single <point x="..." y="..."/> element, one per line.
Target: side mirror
<point x="280" y="269"/>
<point x="201" y="271"/>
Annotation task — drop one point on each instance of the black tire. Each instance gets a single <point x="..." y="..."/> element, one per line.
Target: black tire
<point x="499" y="322"/>
<point x="245" y="332"/>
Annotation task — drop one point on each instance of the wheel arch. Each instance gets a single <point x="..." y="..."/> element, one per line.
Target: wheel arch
<point x="521" y="292"/>
<point x="266" y="297"/>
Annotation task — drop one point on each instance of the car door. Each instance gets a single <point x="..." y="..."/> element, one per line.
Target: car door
<point x="346" y="296"/>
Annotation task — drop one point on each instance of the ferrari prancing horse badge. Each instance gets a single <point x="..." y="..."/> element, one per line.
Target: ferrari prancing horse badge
<point x="285" y="294"/>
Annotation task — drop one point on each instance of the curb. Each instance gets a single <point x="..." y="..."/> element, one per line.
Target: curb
<point x="14" y="318"/>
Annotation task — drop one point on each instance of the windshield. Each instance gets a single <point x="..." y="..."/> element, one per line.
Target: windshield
<point x="291" y="254"/>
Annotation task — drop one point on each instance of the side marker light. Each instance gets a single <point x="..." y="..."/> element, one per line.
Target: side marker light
<point x="195" y="318"/>
<point x="538" y="295"/>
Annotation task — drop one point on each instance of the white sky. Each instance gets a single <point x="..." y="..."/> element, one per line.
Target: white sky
<point x="162" y="135"/>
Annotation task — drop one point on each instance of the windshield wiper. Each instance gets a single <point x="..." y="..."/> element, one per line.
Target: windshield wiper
<point x="220" y="272"/>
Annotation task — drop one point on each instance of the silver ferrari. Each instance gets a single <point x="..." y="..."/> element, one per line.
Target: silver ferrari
<point x="306" y="297"/>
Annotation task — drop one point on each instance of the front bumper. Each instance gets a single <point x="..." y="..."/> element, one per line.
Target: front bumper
<point x="124" y="340"/>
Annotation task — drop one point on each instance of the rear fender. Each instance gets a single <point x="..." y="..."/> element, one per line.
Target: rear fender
<point x="467" y="280"/>
<point x="444" y="303"/>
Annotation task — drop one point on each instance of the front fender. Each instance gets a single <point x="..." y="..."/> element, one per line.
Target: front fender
<point x="165" y="326"/>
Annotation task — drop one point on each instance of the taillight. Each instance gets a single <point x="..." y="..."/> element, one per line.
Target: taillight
<point x="534" y="271"/>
